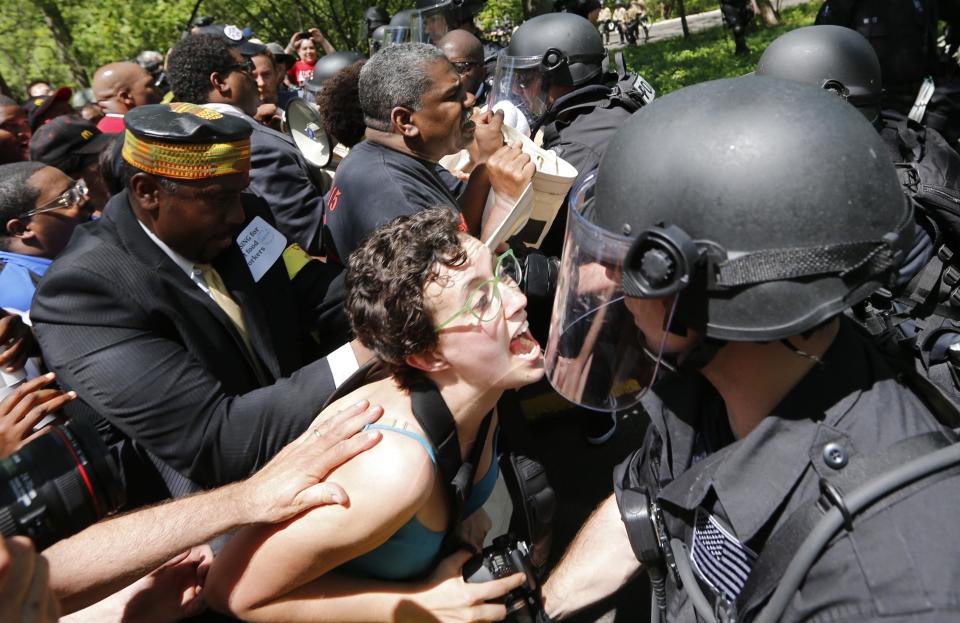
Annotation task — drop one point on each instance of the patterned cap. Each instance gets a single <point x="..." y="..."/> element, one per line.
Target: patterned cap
<point x="186" y="141"/>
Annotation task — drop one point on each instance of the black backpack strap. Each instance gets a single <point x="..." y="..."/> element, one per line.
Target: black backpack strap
<point x="780" y="548"/>
<point x="437" y="422"/>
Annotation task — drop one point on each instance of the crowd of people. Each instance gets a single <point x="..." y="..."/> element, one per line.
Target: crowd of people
<point x="266" y="310"/>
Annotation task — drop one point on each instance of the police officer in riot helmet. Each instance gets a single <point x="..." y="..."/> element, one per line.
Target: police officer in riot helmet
<point x="904" y="34"/>
<point x="706" y="279"/>
<point x="840" y="60"/>
<point x="397" y="31"/>
<point x="435" y="18"/>
<point x="553" y="72"/>
<point x="374" y="18"/>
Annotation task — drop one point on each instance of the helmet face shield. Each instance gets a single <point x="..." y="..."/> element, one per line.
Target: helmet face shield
<point x="429" y="25"/>
<point x="388" y="35"/>
<point x="519" y="81"/>
<point x="595" y="353"/>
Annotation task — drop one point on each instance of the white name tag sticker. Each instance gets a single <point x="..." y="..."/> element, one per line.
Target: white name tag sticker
<point x="261" y="245"/>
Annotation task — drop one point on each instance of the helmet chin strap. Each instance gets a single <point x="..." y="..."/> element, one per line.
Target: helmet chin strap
<point x="786" y="342"/>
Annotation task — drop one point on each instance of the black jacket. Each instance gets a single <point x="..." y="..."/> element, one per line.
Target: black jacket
<point x="280" y="175"/>
<point x="579" y="126"/>
<point x="151" y="353"/>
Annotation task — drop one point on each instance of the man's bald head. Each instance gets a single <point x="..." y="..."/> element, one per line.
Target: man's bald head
<point x="461" y="45"/>
<point x="465" y="51"/>
<point x="118" y="87"/>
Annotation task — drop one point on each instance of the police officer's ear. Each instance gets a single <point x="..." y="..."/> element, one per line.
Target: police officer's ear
<point x="401" y="118"/>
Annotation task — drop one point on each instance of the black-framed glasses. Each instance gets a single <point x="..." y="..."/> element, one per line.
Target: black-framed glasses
<point x="74" y="196"/>
<point x="484" y="301"/>
<point x="246" y="66"/>
<point x="463" y="67"/>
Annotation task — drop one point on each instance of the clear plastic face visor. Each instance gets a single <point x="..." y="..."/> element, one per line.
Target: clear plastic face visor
<point x="595" y="355"/>
<point x="388" y="35"/>
<point x="430" y="25"/>
<point x="518" y="80"/>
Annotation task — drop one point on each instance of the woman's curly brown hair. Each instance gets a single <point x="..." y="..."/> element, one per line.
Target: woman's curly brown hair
<point x="339" y="105"/>
<point x="386" y="278"/>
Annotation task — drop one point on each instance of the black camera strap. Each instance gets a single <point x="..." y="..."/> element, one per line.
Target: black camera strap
<point x="437" y="422"/>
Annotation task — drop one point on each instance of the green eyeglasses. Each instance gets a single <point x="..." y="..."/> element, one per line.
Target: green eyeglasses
<point x="483" y="302"/>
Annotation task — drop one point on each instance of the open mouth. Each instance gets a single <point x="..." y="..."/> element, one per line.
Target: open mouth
<point x="523" y="344"/>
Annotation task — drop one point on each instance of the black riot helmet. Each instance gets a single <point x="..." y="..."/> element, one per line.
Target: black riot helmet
<point x="435" y="18"/>
<point x="327" y="67"/>
<point x="556" y="49"/>
<point x="568" y="48"/>
<point x="830" y="57"/>
<point x="375" y="17"/>
<point x="403" y="17"/>
<point x="767" y="208"/>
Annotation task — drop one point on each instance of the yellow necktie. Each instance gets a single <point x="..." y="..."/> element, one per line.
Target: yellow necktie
<point x="221" y="296"/>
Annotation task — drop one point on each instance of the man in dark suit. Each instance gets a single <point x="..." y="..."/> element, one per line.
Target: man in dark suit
<point x="182" y="316"/>
<point x="215" y="71"/>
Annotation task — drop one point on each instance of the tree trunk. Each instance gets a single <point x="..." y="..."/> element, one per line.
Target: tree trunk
<point x="62" y="40"/>
<point x="768" y="13"/>
<point x="683" y="18"/>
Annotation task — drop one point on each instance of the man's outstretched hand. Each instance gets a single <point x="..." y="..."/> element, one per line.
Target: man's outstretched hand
<point x="292" y="481"/>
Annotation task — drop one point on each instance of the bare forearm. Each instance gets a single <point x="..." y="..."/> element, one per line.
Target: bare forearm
<point x="474" y="199"/>
<point x="340" y="599"/>
<point x="107" y="556"/>
<point x="597" y="563"/>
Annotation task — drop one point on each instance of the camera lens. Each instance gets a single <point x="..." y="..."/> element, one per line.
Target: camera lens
<point x="58" y="484"/>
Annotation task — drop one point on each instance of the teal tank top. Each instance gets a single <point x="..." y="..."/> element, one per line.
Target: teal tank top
<point x="413" y="549"/>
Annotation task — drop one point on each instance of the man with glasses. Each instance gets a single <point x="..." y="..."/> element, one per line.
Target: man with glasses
<point x="39" y="208"/>
<point x="73" y="145"/>
<point x="215" y="71"/>
<point x="465" y="53"/>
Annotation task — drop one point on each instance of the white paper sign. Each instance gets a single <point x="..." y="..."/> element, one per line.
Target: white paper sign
<point x="261" y="245"/>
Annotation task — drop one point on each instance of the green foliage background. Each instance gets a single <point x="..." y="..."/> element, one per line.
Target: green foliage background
<point x="674" y="63"/>
<point x="102" y="31"/>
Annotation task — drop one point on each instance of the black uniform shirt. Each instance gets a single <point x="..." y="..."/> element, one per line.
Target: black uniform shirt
<point x="723" y="502"/>
<point x="373" y="185"/>
<point x="579" y="127"/>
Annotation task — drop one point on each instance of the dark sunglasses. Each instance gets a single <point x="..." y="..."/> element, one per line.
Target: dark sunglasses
<point x="246" y="66"/>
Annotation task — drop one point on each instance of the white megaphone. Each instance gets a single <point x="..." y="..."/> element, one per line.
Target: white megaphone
<point x="307" y="133"/>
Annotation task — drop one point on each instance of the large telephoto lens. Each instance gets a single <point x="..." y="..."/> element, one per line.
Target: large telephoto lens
<point x="58" y="484"/>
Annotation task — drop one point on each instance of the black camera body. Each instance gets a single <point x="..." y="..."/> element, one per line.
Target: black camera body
<point x="505" y="557"/>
